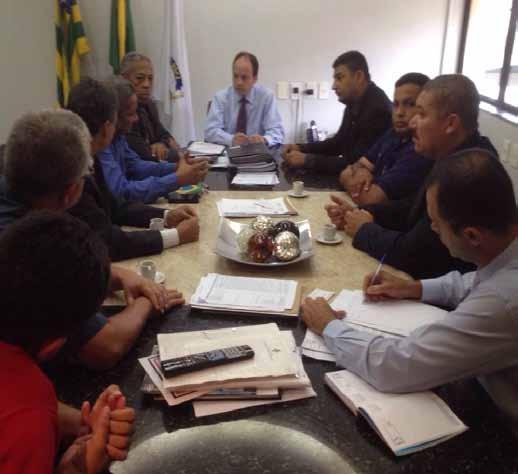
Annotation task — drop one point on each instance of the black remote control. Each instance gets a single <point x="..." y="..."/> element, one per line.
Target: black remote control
<point x="203" y="360"/>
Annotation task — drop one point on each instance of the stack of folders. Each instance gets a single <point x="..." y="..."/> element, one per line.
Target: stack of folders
<point x="407" y="422"/>
<point x="254" y="296"/>
<point x="251" y="158"/>
<point x="274" y="375"/>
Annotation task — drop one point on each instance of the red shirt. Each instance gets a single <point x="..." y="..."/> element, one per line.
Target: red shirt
<point x="28" y="415"/>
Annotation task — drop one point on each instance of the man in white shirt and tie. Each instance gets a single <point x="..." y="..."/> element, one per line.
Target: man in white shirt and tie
<point x="244" y="112"/>
<point x="471" y="205"/>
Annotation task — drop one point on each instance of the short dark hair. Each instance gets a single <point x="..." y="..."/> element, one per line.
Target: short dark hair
<point x="95" y="102"/>
<point x="456" y="94"/>
<point x="415" y="78"/>
<point x="474" y="189"/>
<point x="54" y="273"/>
<point x="354" y="61"/>
<point x="251" y="57"/>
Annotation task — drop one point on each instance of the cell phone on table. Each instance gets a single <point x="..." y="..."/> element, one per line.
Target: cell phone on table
<point x="183" y="198"/>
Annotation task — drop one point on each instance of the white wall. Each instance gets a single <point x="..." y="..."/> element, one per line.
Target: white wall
<point x="498" y="130"/>
<point x="299" y="39"/>
<point x="26" y="59"/>
<point x="295" y="40"/>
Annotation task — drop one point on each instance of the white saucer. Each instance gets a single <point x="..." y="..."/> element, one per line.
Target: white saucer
<point x="338" y="239"/>
<point x="294" y="195"/>
<point x="159" y="277"/>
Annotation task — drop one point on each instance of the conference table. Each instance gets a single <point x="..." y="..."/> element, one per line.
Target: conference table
<point x="315" y="435"/>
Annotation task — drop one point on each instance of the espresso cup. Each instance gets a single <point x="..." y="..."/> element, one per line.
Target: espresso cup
<point x="298" y="187"/>
<point x="157" y="223"/>
<point x="329" y="232"/>
<point x="148" y="269"/>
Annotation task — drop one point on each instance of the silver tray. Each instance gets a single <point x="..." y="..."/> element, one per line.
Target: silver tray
<point x="226" y="244"/>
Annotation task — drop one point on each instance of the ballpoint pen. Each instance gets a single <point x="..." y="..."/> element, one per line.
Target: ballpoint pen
<point x="377" y="272"/>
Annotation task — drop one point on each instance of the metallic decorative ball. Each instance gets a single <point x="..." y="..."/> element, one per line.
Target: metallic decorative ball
<point x="243" y="237"/>
<point x="289" y="226"/>
<point x="286" y="246"/>
<point x="260" y="247"/>
<point x="262" y="224"/>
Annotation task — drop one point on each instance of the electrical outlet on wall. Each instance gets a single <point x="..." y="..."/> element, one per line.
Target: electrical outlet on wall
<point x="310" y="92"/>
<point x="296" y="89"/>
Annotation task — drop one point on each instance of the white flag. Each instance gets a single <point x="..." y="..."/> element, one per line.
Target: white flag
<point x="173" y="87"/>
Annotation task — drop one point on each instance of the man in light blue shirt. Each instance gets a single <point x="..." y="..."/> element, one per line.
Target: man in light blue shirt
<point x="471" y="204"/>
<point x="246" y="111"/>
<point x="130" y="177"/>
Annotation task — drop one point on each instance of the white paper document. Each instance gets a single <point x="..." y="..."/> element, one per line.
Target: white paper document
<point x="398" y="317"/>
<point x="314" y="346"/>
<point x="204" y="148"/>
<point x="235" y="293"/>
<point x="255" y="179"/>
<point x="254" y="207"/>
<point x="318" y="293"/>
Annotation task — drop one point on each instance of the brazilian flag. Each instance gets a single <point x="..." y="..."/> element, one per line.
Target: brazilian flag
<point x="122" y="36"/>
<point x="71" y="44"/>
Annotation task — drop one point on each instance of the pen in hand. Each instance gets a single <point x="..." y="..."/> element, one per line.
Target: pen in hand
<point x="378" y="270"/>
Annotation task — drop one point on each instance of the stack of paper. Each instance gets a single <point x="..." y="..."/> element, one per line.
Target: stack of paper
<point x="255" y="179"/>
<point x="260" y="296"/>
<point x="222" y="162"/>
<point x="256" y="167"/>
<point x="275" y="374"/>
<point x="255" y="207"/>
<point x="407" y="422"/>
<point x="205" y="149"/>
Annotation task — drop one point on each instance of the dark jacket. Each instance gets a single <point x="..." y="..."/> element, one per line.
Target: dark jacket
<point x="363" y="123"/>
<point x="105" y="214"/>
<point x="401" y="230"/>
<point x="146" y="131"/>
<point x="398" y="170"/>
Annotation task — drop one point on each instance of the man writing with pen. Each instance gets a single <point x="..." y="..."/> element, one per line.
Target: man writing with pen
<point x="471" y="205"/>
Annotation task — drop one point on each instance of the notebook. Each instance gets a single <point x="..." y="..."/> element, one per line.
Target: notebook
<point x="407" y="422"/>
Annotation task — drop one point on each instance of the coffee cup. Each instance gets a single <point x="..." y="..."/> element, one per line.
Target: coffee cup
<point x="298" y="188"/>
<point x="329" y="232"/>
<point x="157" y="223"/>
<point x="148" y="269"/>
